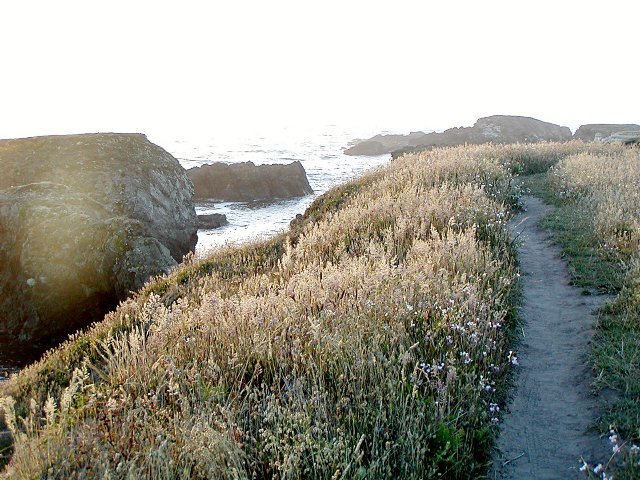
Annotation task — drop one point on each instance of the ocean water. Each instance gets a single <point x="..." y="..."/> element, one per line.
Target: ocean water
<point x="319" y="151"/>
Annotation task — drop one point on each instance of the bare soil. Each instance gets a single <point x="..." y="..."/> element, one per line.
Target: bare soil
<point x="547" y="429"/>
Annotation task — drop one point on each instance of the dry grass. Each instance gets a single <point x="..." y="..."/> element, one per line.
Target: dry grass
<point x="607" y="184"/>
<point x="603" y="190"/>
<point x="371" y="342"/>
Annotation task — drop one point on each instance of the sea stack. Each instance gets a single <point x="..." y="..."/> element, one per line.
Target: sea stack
<point x="246" y="182"/>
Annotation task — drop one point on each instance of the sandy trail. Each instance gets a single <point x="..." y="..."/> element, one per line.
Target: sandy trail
<point x="546" y="431"/>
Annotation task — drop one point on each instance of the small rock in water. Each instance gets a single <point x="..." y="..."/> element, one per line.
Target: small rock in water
<point x="6" y="372"/>
<point x="214" y="220"/>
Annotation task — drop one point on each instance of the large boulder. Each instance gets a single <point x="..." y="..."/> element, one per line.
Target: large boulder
<point x="494" y="129"/>
<point x="245" y="182"/>
<point x="84" y="220"/>
<point x="598" y="131"/>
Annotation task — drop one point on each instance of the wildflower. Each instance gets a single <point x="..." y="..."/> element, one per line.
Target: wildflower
<point x="493" y="407"/>
<point x="513" y="359"/>
<point x="112" y="404"/>
<point x="424" y="368"/>
<point x="598" y="468"/>
<point x="584" y="466"/>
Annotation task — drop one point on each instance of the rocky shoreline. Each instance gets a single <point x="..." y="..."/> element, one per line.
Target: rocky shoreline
<point x="493" y="129"/>
<point x="87" y="219"/>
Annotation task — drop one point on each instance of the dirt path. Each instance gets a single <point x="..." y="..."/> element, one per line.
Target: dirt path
<point x="545" y="432"/>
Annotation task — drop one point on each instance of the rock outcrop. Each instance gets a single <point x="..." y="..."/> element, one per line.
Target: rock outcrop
<point x="598" y="131"/>
<point x="85" y="219"/>
<point x="212" y="221"/>
<point x="514" y="129"/>
<point x="246" y="182"/>
<point x="627" y="137"/>
<point x="494" y="129"/>
<point x="383" y="144"/>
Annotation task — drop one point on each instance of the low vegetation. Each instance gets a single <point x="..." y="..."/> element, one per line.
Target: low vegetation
<point x="598" y="225"/>
<point x="373" y="340"/>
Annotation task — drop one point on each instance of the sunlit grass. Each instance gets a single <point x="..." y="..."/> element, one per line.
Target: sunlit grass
<point x="371" y="341"/>
<point x="598" y="225"/>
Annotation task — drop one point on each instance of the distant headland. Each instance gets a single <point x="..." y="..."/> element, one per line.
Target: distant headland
<point x="493" y="129"/>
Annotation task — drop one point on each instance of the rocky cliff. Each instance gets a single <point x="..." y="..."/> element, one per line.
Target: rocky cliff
<point x="245" y="182"/>
<point x="494" y="129"/>
<point x="84" y="219"/>
<point x="593" y="131"/>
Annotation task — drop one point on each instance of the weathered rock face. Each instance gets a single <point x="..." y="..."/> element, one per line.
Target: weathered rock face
<point x="494" y="129"/>
<point x="514" y="129"/>
<point x="245" y="182"/>
<point x="211" y="221"/>
<point x="627" y="137"/>
<point x="383" y="144"/>
<point x="84" y="219"/>
<point x="590" y="132"/>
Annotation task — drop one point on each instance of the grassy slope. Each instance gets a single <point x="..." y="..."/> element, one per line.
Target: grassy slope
<point x="393" y="386"/>
<point x="616" y="344"/>
<point x="97" y="377"/>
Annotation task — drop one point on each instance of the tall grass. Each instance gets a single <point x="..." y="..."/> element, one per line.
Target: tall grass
<point x="609" y="186"/>
<point x="372" y="341"/>
<point x="603" y="190"/>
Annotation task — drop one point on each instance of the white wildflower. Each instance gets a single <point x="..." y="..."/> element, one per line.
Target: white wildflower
<point x="513" y="359"/>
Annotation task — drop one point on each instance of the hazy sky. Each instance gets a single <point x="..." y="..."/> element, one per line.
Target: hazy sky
<point x="213" y="66"/>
